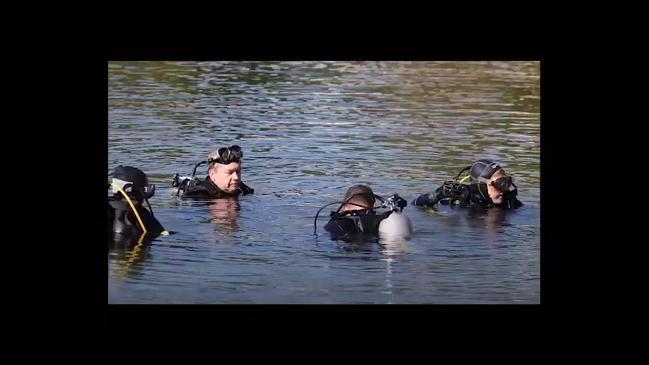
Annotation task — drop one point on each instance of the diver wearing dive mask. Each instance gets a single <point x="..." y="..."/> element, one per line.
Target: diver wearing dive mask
<point x="223" y="179"/>
<point x="126" y="215"/>
<point x="356" y="217"/>
<point x="489" y="186"/>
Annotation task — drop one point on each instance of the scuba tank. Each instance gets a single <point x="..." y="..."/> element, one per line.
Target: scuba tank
<point x="397" y="223"/>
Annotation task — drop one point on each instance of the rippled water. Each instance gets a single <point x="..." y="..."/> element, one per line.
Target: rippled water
<point x="310" y="130"/>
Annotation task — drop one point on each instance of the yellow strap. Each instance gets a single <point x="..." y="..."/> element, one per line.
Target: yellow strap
<point x="132" y="206"/>
<point x="464" y="178"/>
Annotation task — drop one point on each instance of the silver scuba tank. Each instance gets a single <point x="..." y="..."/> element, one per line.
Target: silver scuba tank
<point x="397" y="223"/>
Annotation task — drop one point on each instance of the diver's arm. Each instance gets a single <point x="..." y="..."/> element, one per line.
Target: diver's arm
<point x="150" y="222"/>
<point x="512" y="200"/>
<point x="430" y="199"/>
<point x="425" y="200"/>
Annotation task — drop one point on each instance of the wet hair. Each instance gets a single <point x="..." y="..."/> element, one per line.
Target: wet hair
<point x="361" y="195"/>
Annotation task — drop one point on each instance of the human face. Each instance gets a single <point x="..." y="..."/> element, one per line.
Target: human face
<point x="226" y="177"/>
<point x="495" y="194"/>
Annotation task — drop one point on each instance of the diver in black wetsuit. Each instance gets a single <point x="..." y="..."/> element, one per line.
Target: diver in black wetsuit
<point x="489" y="186"/>
<point x="223" y="179"/>
<point x="127" y="218"/>
<point x="356" y="218"/>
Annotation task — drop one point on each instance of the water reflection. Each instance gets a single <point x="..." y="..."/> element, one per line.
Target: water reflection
<point x="129" y="252"/>
<point x="494" y="220"/>
<point x="393" y="245"/>
<point x="490" y="219"/>
<point x="225" y="214"/>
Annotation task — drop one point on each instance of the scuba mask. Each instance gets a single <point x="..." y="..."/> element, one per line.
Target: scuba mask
<point x="503" y="184"/>
<point x="226" y="155"/>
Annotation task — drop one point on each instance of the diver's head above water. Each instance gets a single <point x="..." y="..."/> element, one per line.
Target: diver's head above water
<point x="358" y="198"/>
<point x="493" y="182"/>
<point x="126" y="214"/>
<point x="225" y="168"/>
<point x="133" y="182"/>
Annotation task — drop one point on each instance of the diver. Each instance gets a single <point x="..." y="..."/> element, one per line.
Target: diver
<point x="357" y="219"/>
<point x="126" y="215"/>
<point x="223" y="179"/>
<point x="489" y="186"/>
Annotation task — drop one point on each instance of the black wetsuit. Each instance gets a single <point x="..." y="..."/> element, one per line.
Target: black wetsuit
<point x="467" y="196"/>
<point x="355" y="226"/>
<point x="206" y="189"/>
<point x="122" y="221"/>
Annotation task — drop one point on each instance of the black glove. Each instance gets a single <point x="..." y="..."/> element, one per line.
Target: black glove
<point x="401" y="202"/>
<point x="424" y="200"/>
